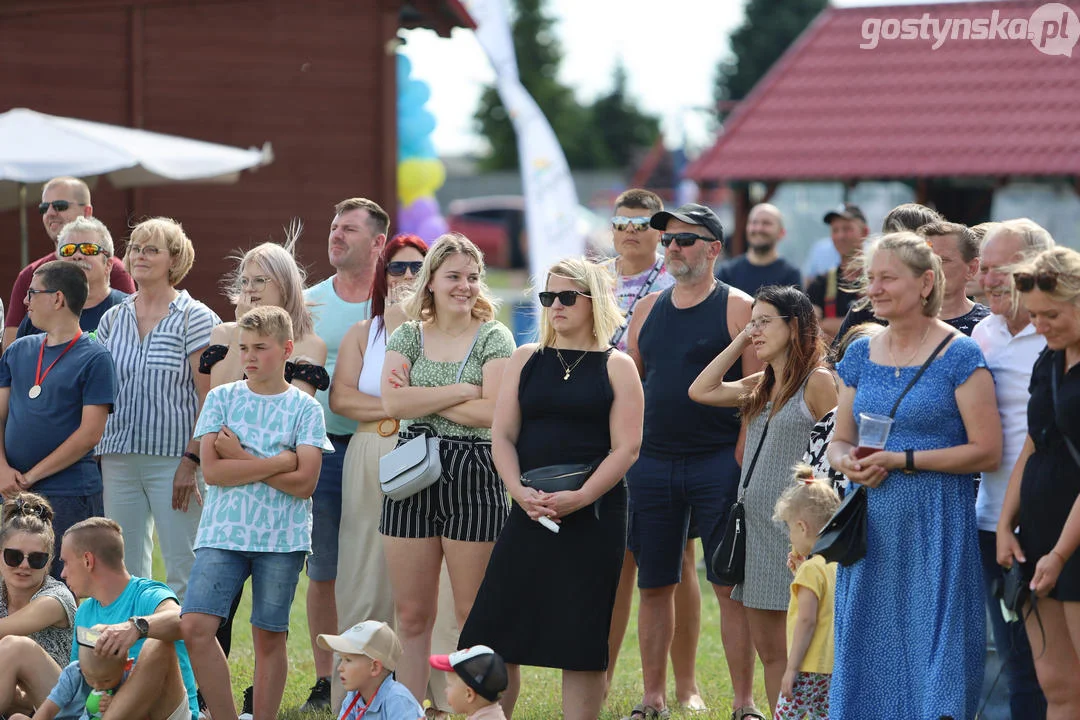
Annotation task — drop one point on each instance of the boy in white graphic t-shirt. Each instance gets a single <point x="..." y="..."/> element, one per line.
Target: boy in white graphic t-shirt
<point x="262" y="442"/>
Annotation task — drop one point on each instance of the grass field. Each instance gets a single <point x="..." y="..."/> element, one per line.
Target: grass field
<point x="540" y="694"/>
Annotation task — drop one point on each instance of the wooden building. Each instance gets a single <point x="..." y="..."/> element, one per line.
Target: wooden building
<point x="316" y="78"/>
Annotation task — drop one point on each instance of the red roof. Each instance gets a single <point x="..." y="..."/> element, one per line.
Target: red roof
<point x="830" y="110"/>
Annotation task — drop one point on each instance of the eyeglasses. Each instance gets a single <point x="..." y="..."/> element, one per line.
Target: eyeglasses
<point x="684" y="239"/>
<point x="255" y="284"/>
<point x="88" y="249"/>
<point x="1045" y="281"/>
<point x="566" y="297"/>
<point x="400" y="267"/>
<point x="147" y="250"/>
<point x="58" y="205"/>
<point x="31" y="292"/>
<point x="762" y="322"/>
<point x="36" y="560"/>
<point x="623" y="223"/>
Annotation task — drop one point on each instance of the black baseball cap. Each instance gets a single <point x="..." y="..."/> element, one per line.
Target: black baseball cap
<point x="692" y="214"/>
<point x="480" y="667"/>
<point x="847" y="211"/>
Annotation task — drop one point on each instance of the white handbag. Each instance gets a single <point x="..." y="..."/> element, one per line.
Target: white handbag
<point x="415" y="465"/>
<point x="410" y="467"/>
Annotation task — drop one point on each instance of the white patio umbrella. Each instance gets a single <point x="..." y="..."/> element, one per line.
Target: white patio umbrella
<point x="35" y="147"/>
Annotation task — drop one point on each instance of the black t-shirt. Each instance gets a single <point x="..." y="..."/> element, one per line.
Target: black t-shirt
<point x="741" y="273"/>
<point x="844" y="298"/>
<point x="967" y="322"/>
<point x="88" y="320"/>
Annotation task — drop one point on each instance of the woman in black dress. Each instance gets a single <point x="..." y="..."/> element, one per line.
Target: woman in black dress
<point x="547" y="596"/>
<point x="1044" y="487"/>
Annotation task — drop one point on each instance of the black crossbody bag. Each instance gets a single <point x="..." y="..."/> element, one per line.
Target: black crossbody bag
<point x="843" y="539"/>
<point x="729" y="559"/>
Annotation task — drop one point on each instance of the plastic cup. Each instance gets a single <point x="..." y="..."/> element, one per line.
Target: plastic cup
<point x="873" y="433"/>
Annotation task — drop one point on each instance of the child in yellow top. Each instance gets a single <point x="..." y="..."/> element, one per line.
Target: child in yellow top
<point x="805" y="507"/>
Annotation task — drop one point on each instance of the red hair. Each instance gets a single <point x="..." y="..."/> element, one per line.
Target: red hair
<point x="379" y="285"/>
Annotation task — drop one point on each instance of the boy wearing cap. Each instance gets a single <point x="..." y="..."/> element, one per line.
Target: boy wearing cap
<point x="369" y="655"/>
<point x="481" y="680"/>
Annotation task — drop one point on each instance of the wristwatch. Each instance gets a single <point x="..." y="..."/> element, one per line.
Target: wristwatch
<point x="142" y="625"/>
<point x="909" y="462"/>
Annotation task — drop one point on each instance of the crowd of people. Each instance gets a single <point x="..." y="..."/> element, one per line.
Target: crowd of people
<point x="463" y="506"/>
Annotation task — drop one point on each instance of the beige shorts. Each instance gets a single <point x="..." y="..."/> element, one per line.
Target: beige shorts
<point x="183" y="712"/>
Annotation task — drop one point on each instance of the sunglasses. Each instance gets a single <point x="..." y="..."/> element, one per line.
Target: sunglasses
<point x="36" y="560"/>
<point x="400" y="267"/>
<point x="684" y="239"/>
<point x="1045" y="281"/>
<point x="622" y="223"/>
<point x="88" y="249"/>
<point x="566" y="297"/>
<point x="57" y="205"/>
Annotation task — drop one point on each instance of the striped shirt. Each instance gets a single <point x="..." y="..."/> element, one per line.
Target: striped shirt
<point x="156" y="402"/>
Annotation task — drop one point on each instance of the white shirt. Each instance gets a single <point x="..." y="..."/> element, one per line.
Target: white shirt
<point x="1010" y="359"/>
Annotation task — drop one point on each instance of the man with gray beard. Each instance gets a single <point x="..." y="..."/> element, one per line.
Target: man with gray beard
<point x="688" y="453"/>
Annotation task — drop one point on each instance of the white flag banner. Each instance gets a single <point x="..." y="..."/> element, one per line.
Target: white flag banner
<point x="550" y="198"/>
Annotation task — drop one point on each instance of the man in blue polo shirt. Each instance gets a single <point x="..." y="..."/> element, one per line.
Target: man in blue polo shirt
<point x="56" y="391"/>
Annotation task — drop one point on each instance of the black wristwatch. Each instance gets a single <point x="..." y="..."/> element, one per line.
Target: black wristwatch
<point x="193" y="458"/>
<point x="142" y="625"/>
<point x="909" y="462"/>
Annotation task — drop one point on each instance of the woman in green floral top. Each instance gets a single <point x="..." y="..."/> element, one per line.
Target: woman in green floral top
<point x="440" y="378"/>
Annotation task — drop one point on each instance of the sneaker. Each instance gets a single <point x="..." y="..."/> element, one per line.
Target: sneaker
<point x="319" y="699"/>
<point x="248" y="711"/>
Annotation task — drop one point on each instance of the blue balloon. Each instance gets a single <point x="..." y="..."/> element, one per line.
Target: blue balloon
<point x="415" y="127"/>
<point x="422" y="149"/>
<point x="413" y="94"/>
<point x="404" y="67"/>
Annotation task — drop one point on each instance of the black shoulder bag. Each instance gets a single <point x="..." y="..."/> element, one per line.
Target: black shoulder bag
<point x="843" y="539"/>
<point x="729" y="558"/>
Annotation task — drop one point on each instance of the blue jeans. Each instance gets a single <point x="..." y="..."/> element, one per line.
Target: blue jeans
<point x="1026" y="700"/>
<point x="218" y="575"/>
<point x="326" y="513"/>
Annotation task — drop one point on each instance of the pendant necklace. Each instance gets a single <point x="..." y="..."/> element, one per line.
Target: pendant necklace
<point x="38" y="376"/>
<point x="568" y="367"/>
<point x="917" y="348"/>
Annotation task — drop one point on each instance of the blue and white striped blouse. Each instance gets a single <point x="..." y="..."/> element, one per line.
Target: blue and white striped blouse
<point x="156" y="403"/>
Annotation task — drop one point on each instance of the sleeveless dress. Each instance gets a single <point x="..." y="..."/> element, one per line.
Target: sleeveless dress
<point x="546" y="598"/>
<point x="910" y="624"/>
<point x="767" y="584"/>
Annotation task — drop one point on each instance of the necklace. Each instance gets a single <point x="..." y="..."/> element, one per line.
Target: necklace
<point x="917" y="348"/>
<point x="569" y="368"/>
<point x="39" y="377"/>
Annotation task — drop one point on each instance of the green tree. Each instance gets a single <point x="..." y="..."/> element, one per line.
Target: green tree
<point x="769" y="28"/>
<point x="623" y="128"/>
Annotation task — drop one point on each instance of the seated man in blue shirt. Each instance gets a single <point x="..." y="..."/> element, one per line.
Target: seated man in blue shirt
<point x="141" y="619"/>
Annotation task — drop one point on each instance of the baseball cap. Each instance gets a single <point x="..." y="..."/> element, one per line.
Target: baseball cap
<point x="371" y="637"/>
<point x="847" y="211"/>
<point x="479" y="667"/>
<point x="692" y="214"/>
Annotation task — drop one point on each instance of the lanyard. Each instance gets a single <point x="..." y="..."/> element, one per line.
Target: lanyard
<point x="363" y="710"/>
<point x="642" y="292"/>
<point x="38" y="376"/>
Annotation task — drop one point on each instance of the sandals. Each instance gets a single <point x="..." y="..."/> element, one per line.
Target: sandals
<point x="648" y="712"/>
<point x="747" y="712"/>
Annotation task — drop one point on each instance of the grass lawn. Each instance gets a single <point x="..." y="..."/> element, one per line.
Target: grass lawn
<point x="540" y="694"/>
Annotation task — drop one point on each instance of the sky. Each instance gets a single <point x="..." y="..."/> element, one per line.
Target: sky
<point x="670" y="50"/>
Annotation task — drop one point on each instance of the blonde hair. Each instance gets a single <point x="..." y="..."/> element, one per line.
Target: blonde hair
<point x="811" y="499"/>
<point x="268" y="321"/>
<point x="917" y="255"/>
<point x="595" y="281"/>
<point x="30" y="514"/>
<point x="176" y="242"/>
<point x="279" y="264"/>
<point x="421" y="304"/>
<point x="1062" y="262"/>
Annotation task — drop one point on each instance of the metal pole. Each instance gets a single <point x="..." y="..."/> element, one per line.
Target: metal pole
<point x="24" y="243"/>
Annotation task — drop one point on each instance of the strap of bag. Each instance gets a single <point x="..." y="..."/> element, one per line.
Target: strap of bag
<point x="461" y="368"/>
<point x="937" y="351"/>
<point x="753" y="462"/>
<point x="1057" y="415"/>
<point x="642" y="292"/>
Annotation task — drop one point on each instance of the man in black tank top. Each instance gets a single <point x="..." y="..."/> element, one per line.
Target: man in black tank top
<point x="687" y="458"/>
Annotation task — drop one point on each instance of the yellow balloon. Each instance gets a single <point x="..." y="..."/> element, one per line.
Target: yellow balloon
<point x="419" y="177"/>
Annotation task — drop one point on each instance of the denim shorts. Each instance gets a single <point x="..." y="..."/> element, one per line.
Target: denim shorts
<point x="326" y="513"/>
<point x="218" y="575"/>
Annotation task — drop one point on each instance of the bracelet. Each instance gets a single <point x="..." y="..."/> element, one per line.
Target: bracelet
<point x="909" y="462"/>
<point x="193" y="458"/>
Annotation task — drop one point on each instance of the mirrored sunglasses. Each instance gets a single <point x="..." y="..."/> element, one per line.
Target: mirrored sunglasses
<point x="623" y="223"/>
<point x="88" y="249"/>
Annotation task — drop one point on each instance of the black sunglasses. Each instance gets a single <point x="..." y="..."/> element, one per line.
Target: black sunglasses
<point x="684" y="239"/>
<point x="58" y="206"/>
<point x="398" y="267"/>
<point x="37" y="560"/>
<point x="1045" y="281"/>
<point x="566" y="297"/>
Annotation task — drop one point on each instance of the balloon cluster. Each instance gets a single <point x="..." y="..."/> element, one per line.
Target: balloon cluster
<point x="420" y="172"/>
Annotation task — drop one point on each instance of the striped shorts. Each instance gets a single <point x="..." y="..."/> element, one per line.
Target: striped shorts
<point x="467" y="503"/>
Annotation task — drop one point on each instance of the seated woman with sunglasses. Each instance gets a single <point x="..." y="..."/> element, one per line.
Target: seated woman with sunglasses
<point x="87" y="243"/>
<point x="37" y="611"/>
<point x="440" y="378"/>
<point x="1044" y="492"/>
<point x="570" y="398"/>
